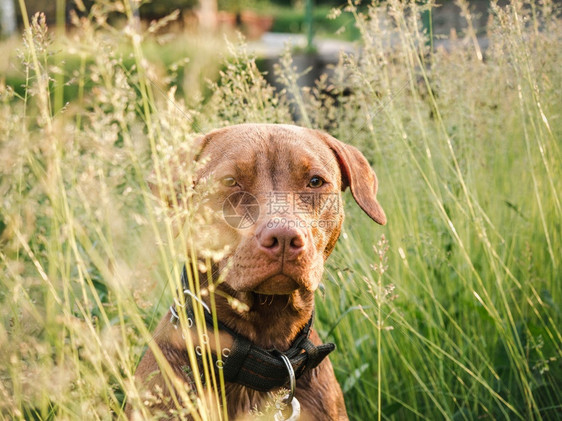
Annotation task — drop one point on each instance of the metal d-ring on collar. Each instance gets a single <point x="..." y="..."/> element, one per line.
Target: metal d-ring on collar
<point x="290" y="398"/>
<point x="292" y="378"/>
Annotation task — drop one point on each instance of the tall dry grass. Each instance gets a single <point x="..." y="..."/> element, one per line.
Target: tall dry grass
<point x="455" y="314"/>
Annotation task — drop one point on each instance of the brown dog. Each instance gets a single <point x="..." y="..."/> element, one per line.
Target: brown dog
<point x="289" y="180"/>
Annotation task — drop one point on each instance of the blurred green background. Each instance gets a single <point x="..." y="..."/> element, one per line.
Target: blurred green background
<point x="454" y="314"/>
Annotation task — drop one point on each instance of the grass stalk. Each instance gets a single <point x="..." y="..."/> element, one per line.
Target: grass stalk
<point x="462" y="310"/>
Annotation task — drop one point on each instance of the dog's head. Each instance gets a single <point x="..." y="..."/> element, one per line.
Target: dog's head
<point x="277" y="202"/>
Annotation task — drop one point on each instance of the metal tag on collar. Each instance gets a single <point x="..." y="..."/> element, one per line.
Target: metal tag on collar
<point x="295" y="415"/>
<point x="290" y="398"/>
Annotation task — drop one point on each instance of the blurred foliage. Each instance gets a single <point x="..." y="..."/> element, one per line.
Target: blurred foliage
<point x="159" y="9"/>
<point x="289" y="15"/>
<point x="291" y="20"/>
<point x="454" y="315"/>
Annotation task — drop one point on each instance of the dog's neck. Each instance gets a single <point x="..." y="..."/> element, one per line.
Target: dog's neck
<point x="269" y="321"/>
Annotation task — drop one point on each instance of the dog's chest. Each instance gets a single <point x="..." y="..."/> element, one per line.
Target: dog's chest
<point x="243" y="401"/>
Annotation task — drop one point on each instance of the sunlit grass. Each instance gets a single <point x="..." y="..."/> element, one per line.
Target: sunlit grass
<point x="456" y="314"/>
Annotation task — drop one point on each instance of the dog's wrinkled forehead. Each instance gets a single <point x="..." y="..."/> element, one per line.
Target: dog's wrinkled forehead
<point x="266" y="157"/>
<point x="284" y="153"/>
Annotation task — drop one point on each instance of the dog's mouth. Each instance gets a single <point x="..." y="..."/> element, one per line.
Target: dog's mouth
<point x="279" y="284"/>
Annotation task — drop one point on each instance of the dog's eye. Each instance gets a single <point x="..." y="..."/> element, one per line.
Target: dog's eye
<point x="228" y="181"/>
<point x="316" y="182"/>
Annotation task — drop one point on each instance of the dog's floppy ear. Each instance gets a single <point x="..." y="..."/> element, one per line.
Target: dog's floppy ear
<point x="358" y="175"/>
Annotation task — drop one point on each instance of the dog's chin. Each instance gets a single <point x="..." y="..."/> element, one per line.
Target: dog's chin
<point x="279" y="284"/>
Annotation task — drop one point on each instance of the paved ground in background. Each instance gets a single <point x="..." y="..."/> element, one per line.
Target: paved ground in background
<point x="272" y="45"/>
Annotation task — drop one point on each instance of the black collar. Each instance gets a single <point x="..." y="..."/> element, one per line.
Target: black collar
<point x="261" y="369"/>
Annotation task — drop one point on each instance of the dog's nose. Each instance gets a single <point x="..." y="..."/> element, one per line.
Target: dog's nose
<point x="282" y="241"/>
